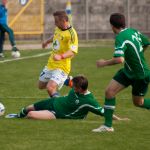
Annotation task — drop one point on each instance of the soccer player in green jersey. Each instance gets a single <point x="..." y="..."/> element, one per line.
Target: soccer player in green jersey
<point x="130" y="45"/>
<point x="75" y="105"/>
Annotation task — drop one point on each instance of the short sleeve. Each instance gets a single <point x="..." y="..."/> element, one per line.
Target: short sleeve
<point x="120" y="47"/>
<point x="73" y="41"/>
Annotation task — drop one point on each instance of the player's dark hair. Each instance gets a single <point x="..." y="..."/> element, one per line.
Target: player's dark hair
<point x="80" y="82"/>
<point x="117" y="20"/>
<point x="61" y="15"/>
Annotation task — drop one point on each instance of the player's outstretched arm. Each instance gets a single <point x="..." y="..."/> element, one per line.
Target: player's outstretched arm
<point x="113" y="61"/>
<point x="68" y="54"/>
<point x="45" y="43"/>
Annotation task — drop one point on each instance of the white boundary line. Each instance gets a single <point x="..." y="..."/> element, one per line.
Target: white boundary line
<point x="26" y="97"/>
<point x="90" y="121"/>
<point x="32" y="97"/>
<point x="26" y="57"/>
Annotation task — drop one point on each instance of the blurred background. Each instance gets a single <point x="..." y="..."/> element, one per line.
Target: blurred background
<point x="33" y="19"/>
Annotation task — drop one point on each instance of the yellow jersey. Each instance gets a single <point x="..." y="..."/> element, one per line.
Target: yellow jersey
<point x="63" y="41"/>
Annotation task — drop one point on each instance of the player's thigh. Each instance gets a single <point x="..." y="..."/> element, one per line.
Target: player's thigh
<point x="118" y="83"/>
<point x="59" y="77"/>
<point x="113" y="88"/>
<point x="52" y="85"/>
<point x="42" y="114"/>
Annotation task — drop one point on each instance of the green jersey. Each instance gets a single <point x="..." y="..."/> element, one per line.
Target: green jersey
<point x="76" y="106"/>
<point x="129" y="44"/>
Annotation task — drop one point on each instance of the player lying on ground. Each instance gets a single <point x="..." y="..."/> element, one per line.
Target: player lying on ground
<point x="75" y="105"/>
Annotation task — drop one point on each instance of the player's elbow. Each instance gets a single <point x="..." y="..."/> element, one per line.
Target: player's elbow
<point x="119" y="60"/>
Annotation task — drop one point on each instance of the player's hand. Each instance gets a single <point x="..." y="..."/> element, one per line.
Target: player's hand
<point x="100" y="63"/>
<point x="57" y="57"/>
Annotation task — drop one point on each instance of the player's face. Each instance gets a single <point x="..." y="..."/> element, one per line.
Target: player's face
<point x="60" y="23"/>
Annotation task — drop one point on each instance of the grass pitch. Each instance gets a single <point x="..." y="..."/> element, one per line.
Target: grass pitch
<point x="18" y="88"/>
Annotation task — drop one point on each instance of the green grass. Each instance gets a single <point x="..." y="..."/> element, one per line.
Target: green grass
<point x="18" y="88"/>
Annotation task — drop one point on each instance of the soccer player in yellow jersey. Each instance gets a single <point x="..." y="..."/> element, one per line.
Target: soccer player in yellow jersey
<point x="65" y="47"/>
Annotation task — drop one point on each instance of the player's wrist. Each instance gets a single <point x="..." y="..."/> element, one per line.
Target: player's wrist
<point x="62" y="56"/>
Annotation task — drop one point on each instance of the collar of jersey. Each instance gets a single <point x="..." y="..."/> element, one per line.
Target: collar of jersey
<point x="66" y="29"/>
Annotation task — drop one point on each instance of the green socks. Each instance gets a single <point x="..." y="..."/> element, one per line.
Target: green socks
<point x="109" y="109"/>
<point x="110" y="106"/>
<point x="23" y="113"/>
<point x="146" y="104"/>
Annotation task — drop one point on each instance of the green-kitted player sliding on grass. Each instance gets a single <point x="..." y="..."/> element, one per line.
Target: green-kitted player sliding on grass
<point x="75" y="105"/>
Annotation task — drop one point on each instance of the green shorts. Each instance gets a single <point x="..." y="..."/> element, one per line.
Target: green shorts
<point x="139" y="86"/>
<point x="46" y="104"/>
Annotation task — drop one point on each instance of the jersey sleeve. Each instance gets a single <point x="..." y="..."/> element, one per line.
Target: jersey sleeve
<point x="120" y="47"/>
<point x="73" y="40"/>
<point x="95" y="107"/>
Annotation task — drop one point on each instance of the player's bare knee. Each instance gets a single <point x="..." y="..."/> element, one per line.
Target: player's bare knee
<point x="51" y="89"/>
<point x="30" y="114"/>
<point x="109" y="93"/>
<point x="138" y="104"/>
<point x="138" y="101"/>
